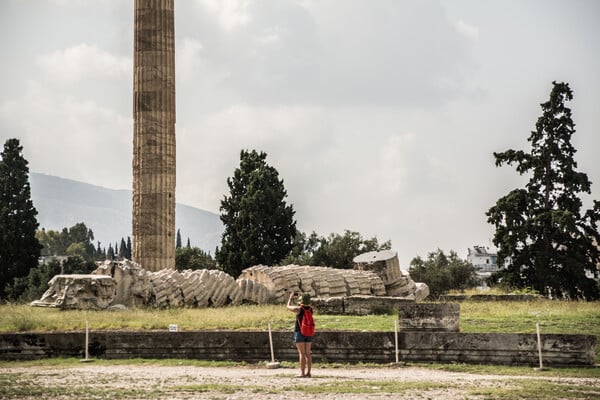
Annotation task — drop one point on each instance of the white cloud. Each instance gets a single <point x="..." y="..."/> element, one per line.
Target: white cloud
<point x="188" y="58"/>
<point x="467" y="30"/>
<point x="70" y="137"/>
<point x="395" y="160"/>
<point x="231" y="14"/>
<point x="84" y="61"/>
<point x="344" y="53"/>
<point x="106" y="4"/>
<point x="367" y="109"/>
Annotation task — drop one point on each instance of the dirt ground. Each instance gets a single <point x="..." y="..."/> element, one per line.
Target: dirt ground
<point x="191" y="382"/>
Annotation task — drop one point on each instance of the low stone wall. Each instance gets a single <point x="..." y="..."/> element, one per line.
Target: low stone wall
<point x="359" y="305"/>
<point x="489" y="297"/>
<point x="429" y="317"/>
<point x="329" y="346"/>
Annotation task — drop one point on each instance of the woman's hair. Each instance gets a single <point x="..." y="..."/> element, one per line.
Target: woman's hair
<point x="306" y="298"/>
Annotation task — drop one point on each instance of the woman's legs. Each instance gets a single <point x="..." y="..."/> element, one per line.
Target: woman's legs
<point x="302" y="356"/>
<point x="308" y="354"/>
<point x="305" y="357"/>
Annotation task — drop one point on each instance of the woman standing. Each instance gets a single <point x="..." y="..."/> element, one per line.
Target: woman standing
<point x="303" y="343"/>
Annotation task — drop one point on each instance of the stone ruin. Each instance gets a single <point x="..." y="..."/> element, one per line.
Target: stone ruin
<point x="78" y="291"/>
<point x="124" y="283"/>
<point x="386" y="265"/>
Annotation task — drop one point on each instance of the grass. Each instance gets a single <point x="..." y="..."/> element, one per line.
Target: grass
<point x="510" y="317"/>
<point x="556" y="317"/>
<point x="20" y="318"/>
<point x="538" y="389"/>
<point x="497" y="316"/>
<point x="521" y="317"/>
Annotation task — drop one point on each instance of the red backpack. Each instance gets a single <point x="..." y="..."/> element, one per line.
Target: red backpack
<point x="307" y="325"/>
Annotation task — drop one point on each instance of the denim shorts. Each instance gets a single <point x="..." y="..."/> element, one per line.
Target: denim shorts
<point x="299" y="338"/>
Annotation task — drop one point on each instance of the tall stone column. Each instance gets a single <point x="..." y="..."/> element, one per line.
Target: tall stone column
<point x="154" y="135"/>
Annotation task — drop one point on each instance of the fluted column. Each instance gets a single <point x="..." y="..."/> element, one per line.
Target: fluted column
<point x="154" y="135"/>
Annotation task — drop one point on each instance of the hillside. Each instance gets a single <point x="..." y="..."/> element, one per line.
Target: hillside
<point x="107" y="212"/>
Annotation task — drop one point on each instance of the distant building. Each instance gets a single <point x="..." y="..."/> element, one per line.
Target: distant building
<point x="482" y="259"/>
<point x="47" y="259"/>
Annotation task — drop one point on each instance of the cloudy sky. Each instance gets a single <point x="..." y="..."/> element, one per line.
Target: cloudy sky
<point x="380" y="116"/>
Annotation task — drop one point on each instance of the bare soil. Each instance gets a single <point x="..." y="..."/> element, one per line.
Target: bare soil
<point x="192" y="382"/>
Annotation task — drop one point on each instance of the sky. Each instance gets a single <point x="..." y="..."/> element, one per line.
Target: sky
<point x="381" y="117"/>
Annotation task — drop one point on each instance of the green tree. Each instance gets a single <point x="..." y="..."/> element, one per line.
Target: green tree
<point x="546" y="241"/>
<point x="128" y="255"/>
<point x="193" y="258"/>
<point x="76" y="240"/>
<point x="110" y="253"/>
<point x="303" y="249"/>
<point x="77" y="249"/>
<point x="33" y="286"/>
<point x="100" y="254"/>
<point x="51" y="242"/>
<point x="443" y="273"/>
<point x="336" y="251"/>
<point x="19" y="248"/>
<point x="77" y="265"/>
<point x="178" y="240"/>
<point x="259" y="224"/>
<point x="79" y="233"/>
<point x="123" y="249"/>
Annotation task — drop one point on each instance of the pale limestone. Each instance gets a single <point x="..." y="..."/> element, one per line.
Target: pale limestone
<point x="78" y="292"/>
<point x="153" y="225"/>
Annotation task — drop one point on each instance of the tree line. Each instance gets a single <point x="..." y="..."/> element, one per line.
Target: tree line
<point x="78" y="240"/>
<point x="546" y="242"/>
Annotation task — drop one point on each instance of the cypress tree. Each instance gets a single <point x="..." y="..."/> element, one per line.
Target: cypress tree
<point x="110" y="253"/>
<point x="178" y="241"/>
<point x="546" y="241"/>
<point x="259" y="224"/>
<point x="19" y="247"/>
<point x="123" y="249"/>
<point x="128" y="247"/>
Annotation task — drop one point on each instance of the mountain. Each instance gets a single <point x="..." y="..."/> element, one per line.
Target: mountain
<point x="63" y="203"/>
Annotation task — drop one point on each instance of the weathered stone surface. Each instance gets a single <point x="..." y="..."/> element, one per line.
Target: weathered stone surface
<point x="78" y="292"/>
<point x="136" y="287"/>
<point x="386" y="265"/>
<point x="329" y="346"/>
<point x="359" y="304"/>
<point x="154" y="136"/>
<point x="421" y="291"/>
<point x="253" y="292"/>
<point x="429" y="317"/>
<point x="133" y="288"/>
<point x="318" y="281"/>
<point x="490" y="297"/>
<point x="169" y="288"/>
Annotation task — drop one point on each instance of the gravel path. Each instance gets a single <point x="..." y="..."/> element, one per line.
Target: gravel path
<point x="191" y="382"/>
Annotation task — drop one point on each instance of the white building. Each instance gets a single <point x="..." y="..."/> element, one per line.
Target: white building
<point x="482" y="259"/>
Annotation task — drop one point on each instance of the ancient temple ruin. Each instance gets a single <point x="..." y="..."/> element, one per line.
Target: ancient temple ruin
<point x="126" y="283"/>
<point x="154" y="135"/>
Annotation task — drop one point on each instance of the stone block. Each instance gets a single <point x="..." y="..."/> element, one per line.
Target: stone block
<point x="429" y="317"/>
<point x="75" y="291"/>
<point x="329" y="346"/>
